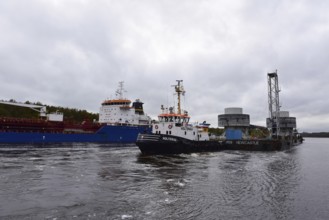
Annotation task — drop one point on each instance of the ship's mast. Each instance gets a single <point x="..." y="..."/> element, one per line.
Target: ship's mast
<point x="179" y="89"/>
<point x="119" y="92"/>
<point x="273" y="101"/>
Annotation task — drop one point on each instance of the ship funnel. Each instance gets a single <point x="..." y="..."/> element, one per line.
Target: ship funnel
<point x="138" y="106"/>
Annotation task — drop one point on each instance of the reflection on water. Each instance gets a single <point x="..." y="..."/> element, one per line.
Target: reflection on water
<point x="94" y="182"/>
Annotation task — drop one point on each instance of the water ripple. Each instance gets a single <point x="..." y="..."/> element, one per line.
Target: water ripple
<point x="92" y="182"/>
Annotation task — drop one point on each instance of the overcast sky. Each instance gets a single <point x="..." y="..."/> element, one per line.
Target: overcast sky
<point x="73" y="53"/>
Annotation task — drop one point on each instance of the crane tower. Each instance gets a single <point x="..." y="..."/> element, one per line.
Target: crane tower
<point x="273" y="102"/>
<point x="279" y="122"/>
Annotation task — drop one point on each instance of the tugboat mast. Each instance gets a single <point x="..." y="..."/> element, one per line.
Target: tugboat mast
<point x="179" y="89"/>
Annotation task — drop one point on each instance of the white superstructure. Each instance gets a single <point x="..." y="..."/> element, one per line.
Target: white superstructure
<point x="177" y="123"/>
<point x="119" y="110"/>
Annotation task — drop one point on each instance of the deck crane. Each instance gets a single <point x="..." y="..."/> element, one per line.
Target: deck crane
<point x="57" y="116"/>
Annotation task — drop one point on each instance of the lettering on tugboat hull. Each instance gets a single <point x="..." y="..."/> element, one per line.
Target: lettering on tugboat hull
<point x="169" y="139"/>
<point x="243" y="142"/>
<point x="248" y="142"/>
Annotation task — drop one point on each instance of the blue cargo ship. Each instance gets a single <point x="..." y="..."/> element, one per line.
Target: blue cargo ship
<point x="119" y="123"/>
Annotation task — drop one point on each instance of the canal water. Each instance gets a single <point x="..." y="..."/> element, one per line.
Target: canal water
<point x="96" y="182"/>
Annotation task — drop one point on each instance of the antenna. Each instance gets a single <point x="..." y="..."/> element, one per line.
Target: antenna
<point x="119" y="92"/>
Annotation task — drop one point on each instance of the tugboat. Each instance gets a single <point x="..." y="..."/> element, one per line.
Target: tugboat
<point x="173" y="134"/>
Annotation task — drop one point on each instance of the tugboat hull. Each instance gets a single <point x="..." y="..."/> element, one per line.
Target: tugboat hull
<point x="165" y="144"/>
<point x="151" y="144"/>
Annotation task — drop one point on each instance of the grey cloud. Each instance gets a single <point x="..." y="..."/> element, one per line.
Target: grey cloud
<point x="73" y="53"/>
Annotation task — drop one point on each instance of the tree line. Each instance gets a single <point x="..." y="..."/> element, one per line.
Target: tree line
<point x="315" y="134"/>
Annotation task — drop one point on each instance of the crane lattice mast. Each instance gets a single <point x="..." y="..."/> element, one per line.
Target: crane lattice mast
<point x="274" y="102"/>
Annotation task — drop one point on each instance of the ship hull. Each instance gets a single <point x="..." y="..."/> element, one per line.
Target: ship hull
<point x="115" y="134"/>
<point x="167" y="144"/>
<point x="151" y="144"/>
